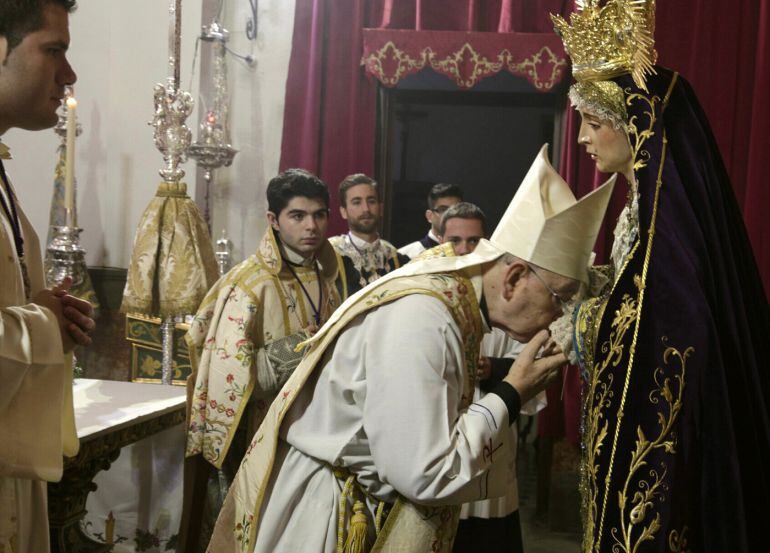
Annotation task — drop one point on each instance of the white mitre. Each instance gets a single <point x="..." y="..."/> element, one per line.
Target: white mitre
<point x="545" y="225"/>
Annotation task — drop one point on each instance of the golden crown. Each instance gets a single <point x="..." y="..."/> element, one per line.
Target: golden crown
<point x="610" y="40"/>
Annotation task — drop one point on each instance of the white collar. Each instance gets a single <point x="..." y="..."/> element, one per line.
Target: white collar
<point x="432" y="236"/>
<point x="295" y="257"/>
<point x="360" y="243"/>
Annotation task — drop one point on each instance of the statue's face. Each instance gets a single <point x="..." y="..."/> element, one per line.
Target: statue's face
<point x="34" y="74"/>
<point x="607" y="146"/>
<point x="302" y="224"/>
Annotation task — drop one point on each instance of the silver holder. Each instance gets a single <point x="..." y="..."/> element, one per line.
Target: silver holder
<point x="67" y="257"/>
<point x="212" y="149"/>
<point x="172" y="137"/>
<point x="167" y="362"/>
<point x="210" y="157"/>
<point x="224" y="253"/>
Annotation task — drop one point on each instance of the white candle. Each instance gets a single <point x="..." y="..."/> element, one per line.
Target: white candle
<point x="69" y="173"/>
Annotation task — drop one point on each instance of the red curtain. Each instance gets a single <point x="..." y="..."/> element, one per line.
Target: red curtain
<point x="500" y="16"/>
<point x="756" y="200"/>
<point x="329" y="118"/>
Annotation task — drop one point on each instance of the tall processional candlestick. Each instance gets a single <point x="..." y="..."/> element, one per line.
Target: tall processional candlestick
<point x="171" y="234"/>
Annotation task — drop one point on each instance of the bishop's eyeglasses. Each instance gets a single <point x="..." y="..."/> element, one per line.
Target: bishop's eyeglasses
<point x="561" y="302"/>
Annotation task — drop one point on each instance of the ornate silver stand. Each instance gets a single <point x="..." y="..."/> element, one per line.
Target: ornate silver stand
<point x="172" y="138"/>
<point x="68" y="258"/>
<point x="224" y="253"/>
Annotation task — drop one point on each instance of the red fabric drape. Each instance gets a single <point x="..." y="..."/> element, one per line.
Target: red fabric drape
<point x="329" y="118"/>
<point x="464" y="57"/>
<point x="756" y="200"/>
<point x="501" y="16"/>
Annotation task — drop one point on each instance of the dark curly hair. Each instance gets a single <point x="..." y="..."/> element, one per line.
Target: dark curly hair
<point x="21" y="17"/>
<point x="291" y="183"/>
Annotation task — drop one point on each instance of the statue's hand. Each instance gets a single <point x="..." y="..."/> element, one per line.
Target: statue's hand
<point x="530" y="376"/>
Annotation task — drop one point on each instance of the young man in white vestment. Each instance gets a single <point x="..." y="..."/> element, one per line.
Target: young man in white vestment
<point x="375" y="440"/>
<point x="38" y="327"/>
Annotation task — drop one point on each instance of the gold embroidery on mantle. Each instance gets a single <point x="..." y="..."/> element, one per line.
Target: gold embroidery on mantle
<point x="597" y="399"/>
<point x="651" y="488"/>
<point x="637" y="134"/>
<point x="480" y="66"/>
<point x="593" y="438"/>
<point x="641" y="285"/>
<point x="677" y="542"/>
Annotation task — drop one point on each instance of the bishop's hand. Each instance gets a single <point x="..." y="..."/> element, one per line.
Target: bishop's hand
<point x="530" y="376"/>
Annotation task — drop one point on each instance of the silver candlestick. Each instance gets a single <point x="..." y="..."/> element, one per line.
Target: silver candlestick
<point x="66" y="257"/>
<point x="224" y="253"/>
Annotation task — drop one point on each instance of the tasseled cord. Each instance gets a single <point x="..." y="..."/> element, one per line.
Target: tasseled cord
<point x="357" y="535"/>
<point x="356" y="542"/>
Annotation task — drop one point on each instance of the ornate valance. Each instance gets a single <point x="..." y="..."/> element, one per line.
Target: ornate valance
<point x="465" y="57"/>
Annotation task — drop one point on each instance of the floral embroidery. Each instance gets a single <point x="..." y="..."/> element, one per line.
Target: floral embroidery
<point x="242" y="530"/>
<point x="244" y="311"/>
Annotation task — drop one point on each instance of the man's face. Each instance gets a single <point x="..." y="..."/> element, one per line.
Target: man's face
<point x="362" y="209"/>
<point x="464" y="234"/>
<point x="434" y="215"/>
<point x="34" y="74"/>
<point x="301" y="224"/>
<point x="528" y="305"/>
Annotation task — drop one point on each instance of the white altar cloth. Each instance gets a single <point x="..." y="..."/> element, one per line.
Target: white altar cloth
<point x="143" y="487"/>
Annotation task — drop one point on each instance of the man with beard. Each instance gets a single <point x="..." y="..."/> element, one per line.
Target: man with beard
<point x="362" y="255"/>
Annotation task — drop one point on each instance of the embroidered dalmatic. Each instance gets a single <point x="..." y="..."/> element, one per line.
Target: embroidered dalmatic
<point x="243" y="338"/>
<point x="389" y="432"/>
<point x="37" y="422"/>
<point x="361" y="263"/>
